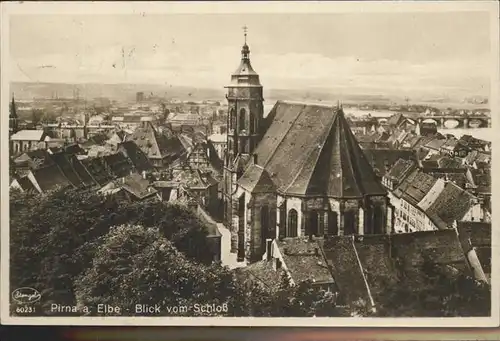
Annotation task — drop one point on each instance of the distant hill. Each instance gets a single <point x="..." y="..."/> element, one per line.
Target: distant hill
<point x="127" y="92"/>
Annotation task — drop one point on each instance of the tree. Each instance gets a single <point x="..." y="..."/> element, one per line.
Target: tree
<point x="137" y="265"/>
<point x="54" y="237"/>
<point x="36" y="116"/>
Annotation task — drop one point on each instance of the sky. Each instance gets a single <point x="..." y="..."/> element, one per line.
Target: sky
<point x="438" y="52"/>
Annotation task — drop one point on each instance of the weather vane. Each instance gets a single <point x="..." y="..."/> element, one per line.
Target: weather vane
<point x="245" y="28"/>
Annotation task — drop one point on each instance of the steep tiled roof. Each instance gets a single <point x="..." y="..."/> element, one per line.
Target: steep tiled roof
<point x="395" y="119"/>
<point x="256" y="179"/>
<point x="342" y="257"/>
<point x="412" y="250"/>
<point x="380" y="159"/>
<point x="154" y="144"/>
<point x="304" y="260"/>
<point x="310" y="150"/>
<point x="50" y="177"/>
<point x="418" y="188"/>
<point x="137" y="186"/>
<point x="375" y="257"/>
<point x="482" y="179"/>
<point x="450" y="162"/>
<point x="34" y="159"/>
<point x="435" y="144"/>
<point x="451" y="205"/>
<point x="98" y="169"/>
<point x="398" y="192"/>
<point x="82" y="172"/>
<point x="136" y="155"/>
<point x="264" y="273"/>
<point x="61" y="159"/>
<point x="119" y="164"/>
<point x="400" y="170"/>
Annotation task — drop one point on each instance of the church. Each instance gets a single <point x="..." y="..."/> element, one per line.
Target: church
<point x="296" y="172"/>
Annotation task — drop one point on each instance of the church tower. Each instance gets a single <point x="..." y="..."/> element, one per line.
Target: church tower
<point x="13" y="119"/>
<point x="245" y="125"/>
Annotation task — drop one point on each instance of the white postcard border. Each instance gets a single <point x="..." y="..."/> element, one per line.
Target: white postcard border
<point x="150" y="8"/>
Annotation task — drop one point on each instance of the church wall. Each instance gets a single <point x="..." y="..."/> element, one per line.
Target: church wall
<point x="256" y="247"/>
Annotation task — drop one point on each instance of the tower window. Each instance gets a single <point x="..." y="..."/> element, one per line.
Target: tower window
<point x="252" y="125"/>
<point x="232" y="118"/>
<point x="242" y="119"/>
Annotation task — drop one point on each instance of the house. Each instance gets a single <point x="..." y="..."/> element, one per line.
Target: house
<point x="398" y="173"/>
<point x="415" y="193"/>
<point x="132" y="187"/>
<point x="454" y="204"/>
<point x="477" y="159"/>
<point x="475" y="143"/>
<point x="161" y="149"/>
<point x="454" y="148"/>
<point x="26" y="140"/>
<point x="48" y="178"/>
<point x="359" y="268"/>
<point x="382" y="160"/>
<point x="219" y="143"/>
<point x="138" y="158"/>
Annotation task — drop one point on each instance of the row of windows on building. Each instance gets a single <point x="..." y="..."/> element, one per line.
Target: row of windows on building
<point x="240" y="122"/>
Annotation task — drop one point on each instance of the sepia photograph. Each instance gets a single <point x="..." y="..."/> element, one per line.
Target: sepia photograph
<point x="207" y="163"/>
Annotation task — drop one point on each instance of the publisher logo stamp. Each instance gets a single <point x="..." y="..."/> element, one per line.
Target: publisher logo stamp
<point x="26" y="295"/>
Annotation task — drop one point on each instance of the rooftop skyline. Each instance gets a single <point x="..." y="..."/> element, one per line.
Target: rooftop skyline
<point x="400" y="53"/>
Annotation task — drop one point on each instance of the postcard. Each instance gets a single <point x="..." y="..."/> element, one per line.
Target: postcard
<point x="242" y="163"/>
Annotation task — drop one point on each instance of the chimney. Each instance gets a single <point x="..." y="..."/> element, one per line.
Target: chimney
<point x="255" y="159"/>
<point x="144" y="174"/>
<point x="316" y="251"/>
<point x="269" y="253"/>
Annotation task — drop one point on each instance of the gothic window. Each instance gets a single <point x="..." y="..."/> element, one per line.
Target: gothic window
<point x="242" y="119"/>
<point x="232" y="121"/>
<point x="379" y="220"/>
<point x="333" y="228"/>
<point x="252" y="125"/>
<point x="312" y="228"/>
<point x="282" y="226"/>
<point x="292" y="223"/>
<point x="349" y="223"/>
<point x="321" y="223"/>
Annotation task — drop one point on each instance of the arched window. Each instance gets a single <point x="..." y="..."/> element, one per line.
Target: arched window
<point x="242" y="119"/>
<point x="292" y="223"/>
<point x="232" y="121"/>
<point x="349" y="223"/>
<point x="252" y="125"/>
<point x="333" y="227"/>
<point x="312" y="228"/>
<point x="378" y="220"/>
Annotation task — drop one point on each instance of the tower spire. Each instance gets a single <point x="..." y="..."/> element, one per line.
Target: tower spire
<point x="245" y="28"/>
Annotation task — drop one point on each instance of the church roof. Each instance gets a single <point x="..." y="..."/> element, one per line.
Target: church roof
<point x="309" y="149"/>
<point x="256" y="180"/>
